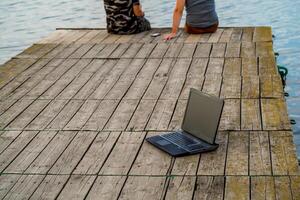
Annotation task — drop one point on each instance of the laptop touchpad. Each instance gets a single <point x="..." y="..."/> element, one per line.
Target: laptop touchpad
<point x="163" y="142"/>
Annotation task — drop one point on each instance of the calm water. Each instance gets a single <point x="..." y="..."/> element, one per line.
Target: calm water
<point x="24" y="22"/>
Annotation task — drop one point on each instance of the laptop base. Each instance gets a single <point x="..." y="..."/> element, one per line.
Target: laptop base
<point x="175" y="150"/>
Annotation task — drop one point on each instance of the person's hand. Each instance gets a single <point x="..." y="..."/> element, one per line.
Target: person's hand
<point x="169" y="36"/>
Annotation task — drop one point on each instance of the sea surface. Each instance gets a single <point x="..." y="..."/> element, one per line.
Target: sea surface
<point x="24" y="22"/>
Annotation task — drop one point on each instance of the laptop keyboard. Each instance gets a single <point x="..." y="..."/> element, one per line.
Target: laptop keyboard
<point x="182" y="141"/>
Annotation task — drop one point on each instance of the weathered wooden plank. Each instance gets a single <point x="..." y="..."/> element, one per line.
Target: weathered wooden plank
<point x="94" y="51"/>
<point x="65" y="115"/>
<point x="175" y="123"/>
<point x="50" y="154"/>
<point x="203" y="50"/>
<point x="215" y="37"/>
<point x="260" y="161"/>
<point x="197" y="68"/>
<point x="68" y="51"/>
<point x="138" y="88"/>
<point x="111" y="38"/>
<point x="145" y="50"/>
<point x="181" y="187"/>
<point x="192" y="38"/>
<point x="271" y="87"/>
<point x="6" y="138"/>
<point x="204" y="37"/>
<point x="13" y="112"/>
<point x="250" y="114"/>
<point x="96" y="79"/>
<point x="237" y="155"/>
<point x="106" y="187"/>
<point x="274" y="115"/>
<point x="77" y="187"/>
<point x="237" y="187"/>
<point x="47" y="115"/>
<point x="124" y="39"/>
<point x="57" y="50"/>
<point x="104" y="87"/>
<point x="28" y="115"/>
<point x="141" y="116"/>
<point x="283" y="188"/>
<point x="87" y="37"/>
<point x="209" y="188"/>
<point x="120" y="88"/>
<point x="50" y="187"/>
<point x="226" y="35"/>
<point x="262" y="34"/>
<point x="212" y="84"/>
<point x="75" y="86"/>
<point x="267" y="66"/>
<point x="250" y="87"/>
<point x="232" y="67"/>
<point x="24" y="187"/>
<point x="118" y="52"/>
<point x="218" y="50"/>
<point x="233" y="50"/>
<point x="192" y="81"/>
<point x="247" y="34"/>
<point x="172" y="88"/>
<point x="262" y="188"/>
<point x="143" y="188"/>
<point x="236" y="35"/>
<point x="24" y="159"/>
<point x="72" y="36"/>
<point x="264" y="49"/>
<point x="249" y="66"/>
<point x="138" y="67"/>
<point x="186" y="165"/>
<point x="82" y="115"/>
<point x="187" y="51"/>
<point x="73" y="153"/>
<point x="132" y="50"/>
<point x="36" y="51"/>
<point x="151" y="160"/>
<point x="123" y="154"/>
<point x="248" y="50"/>
<point x="97" y="154"/>
<point x="122" y="115"/>
<point x="180" y="68"/>
<point x="161" y="115"/>
<point x="155" y="88"/>
<point x="106" y="51"/>
<point x="7" y="182"/>
<point x="101" y="115"/>
<point x="231" y="87"/>
<point x="215" y="66"/>
<point x="174" y="50"/>
<point x="283" y="153"/>
<point x="295" y="186"/>
<point x="159" y="50"/>
<point x="81" y="51"/>
<point x="213" y="163"/>
<point x="102" y="34"/>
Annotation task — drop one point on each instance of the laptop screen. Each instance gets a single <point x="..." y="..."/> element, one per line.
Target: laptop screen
<point x="202" y="115"/>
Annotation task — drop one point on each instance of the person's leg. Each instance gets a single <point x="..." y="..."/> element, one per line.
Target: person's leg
<point x="193" y="30"/>
<point x="143" y="24"/>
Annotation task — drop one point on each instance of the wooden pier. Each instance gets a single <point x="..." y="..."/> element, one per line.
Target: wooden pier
<point x="76" y="107"/>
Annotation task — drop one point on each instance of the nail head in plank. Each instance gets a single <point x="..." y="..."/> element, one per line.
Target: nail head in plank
<point x="7" y="182"/>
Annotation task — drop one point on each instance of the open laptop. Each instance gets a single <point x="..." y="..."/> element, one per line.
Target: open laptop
<point x="199" y="127"/>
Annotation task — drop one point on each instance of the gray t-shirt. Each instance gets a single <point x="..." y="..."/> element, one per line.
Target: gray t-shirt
<point x="201" y="13"/>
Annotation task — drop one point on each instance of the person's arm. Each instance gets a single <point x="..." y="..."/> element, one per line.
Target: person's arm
<point x="177" y="14"/>
<point x="137" y="8"/>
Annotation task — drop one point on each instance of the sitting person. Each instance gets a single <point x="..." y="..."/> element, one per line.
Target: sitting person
<point x="201" y="17"/>
<point x="125" y="17"/>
